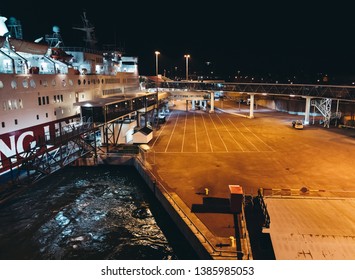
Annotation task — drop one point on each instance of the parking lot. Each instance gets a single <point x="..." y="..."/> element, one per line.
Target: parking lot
<point x="196" y="150"/>
<point x="223" y="148"/>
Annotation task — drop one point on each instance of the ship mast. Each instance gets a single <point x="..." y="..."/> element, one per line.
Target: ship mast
<point x="90" y="39"/>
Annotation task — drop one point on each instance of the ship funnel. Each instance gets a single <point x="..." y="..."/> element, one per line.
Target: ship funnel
<point x="3" y="29"/>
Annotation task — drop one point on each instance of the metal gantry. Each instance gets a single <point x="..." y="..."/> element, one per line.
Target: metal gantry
<point x="316" y="91"/>
<point x="72" y="142"/>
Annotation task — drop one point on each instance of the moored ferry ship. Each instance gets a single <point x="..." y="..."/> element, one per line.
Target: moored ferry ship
<point x="41" y="86"/>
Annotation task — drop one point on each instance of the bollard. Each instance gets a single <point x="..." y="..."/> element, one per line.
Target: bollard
<point x="232" y="241"/>
<point x="206" y="191"/>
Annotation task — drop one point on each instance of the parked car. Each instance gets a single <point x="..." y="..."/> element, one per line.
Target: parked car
<point x="298" y="124"/>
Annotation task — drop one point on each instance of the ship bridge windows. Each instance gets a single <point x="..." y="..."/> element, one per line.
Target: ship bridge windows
<point x="1" y="84"/>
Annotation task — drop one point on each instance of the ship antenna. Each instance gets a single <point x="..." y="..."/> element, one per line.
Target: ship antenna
<point x="90" y="39"/>
<point x="56" y="39"/>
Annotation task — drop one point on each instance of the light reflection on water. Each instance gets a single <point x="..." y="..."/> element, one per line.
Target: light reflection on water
<point x="87" y="213"/>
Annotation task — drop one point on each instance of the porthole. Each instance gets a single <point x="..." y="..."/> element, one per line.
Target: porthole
<point x="79" y="82"/>
<point x="32" y="83"/>
<point x="13" y="84"/>
<point x="25" y="83"/>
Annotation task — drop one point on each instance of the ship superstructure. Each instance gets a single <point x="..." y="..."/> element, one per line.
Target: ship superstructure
<point x="42" y="84"/>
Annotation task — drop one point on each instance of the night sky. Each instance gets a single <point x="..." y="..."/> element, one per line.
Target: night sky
<point x="252" y="37"/>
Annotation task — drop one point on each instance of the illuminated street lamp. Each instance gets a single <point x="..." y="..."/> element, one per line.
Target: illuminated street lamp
<point x="156" y="62"/>
<point x="187" y="56"/>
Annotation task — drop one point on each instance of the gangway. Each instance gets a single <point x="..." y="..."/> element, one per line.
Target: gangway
<point x="72" y="142"/>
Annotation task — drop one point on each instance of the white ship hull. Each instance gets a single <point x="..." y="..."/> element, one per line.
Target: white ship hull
<point x="40" y="87"/>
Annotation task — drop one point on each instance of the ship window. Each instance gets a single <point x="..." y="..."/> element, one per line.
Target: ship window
<point x="4" y="105"/>
<point x="37" y="117"/>
<point x="16" y="122"/>
<point x="61" y="97"/>
<point x="46" y="115"/>
<point x="39" y="101"/>
<point x="2" y="124"/>
<point x="32" y="83"/>
<point x="47" y="99"/>
<point x="25" y="83"/>
<point x="20" y="103"/>
<point x="43" y="100"/>
<point x="55" y="98"/>
<point x="79" y="82"/>
<point x="70" y="82"/>
<point x="9" y="104"/>
<point x="53" y="82"/>
<point x="102" y="81"/>
<point x="13" y="84"/>
<point x="64" y="83"/>
<point x="1" y="84"/>
<point x="84" y="81"/>
<point x="88" y="82"/>
<point x="98" y="81"/>
<point x="14" y="104"/>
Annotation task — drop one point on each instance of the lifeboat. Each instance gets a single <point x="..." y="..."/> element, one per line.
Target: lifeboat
<point x="59" y="54"/>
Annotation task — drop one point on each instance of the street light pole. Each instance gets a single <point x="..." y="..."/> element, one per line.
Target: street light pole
<point x="156" y="62"/>
<point x="187" y="56"/>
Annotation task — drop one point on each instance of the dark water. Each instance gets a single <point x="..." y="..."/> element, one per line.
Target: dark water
<point x="90" y="213"/>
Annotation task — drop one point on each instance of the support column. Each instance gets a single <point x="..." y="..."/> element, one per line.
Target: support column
<point x="212" y="102"/>
<point x="307" y="110"/>
<point x="251" y="111"/>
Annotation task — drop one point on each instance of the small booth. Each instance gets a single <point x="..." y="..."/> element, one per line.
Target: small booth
<point x="236" y="198"/>
<point x="143" y="135"/>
